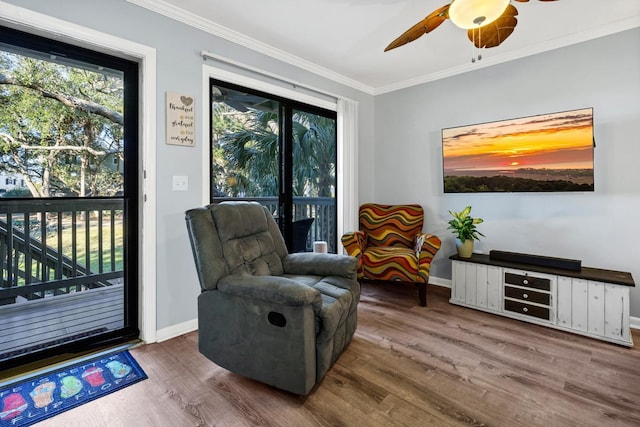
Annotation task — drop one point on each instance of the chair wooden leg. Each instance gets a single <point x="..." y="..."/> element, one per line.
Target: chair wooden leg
<point x="422" y="294"/>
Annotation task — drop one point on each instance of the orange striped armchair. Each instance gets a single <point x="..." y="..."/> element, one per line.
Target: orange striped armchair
<point x="390" y="245"/>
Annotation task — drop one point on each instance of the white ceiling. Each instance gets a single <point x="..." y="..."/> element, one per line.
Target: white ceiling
<point x="345" y="39"/>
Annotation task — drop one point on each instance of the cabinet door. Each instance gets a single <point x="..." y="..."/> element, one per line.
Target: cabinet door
<point x="580" y="304"/>
<point x="471" y="274"/>
<point x="564" y="301"/>
<point x="616" y="312"/>
<point x="494" y="288"/>
<point x="596" y="308"/>
<point x="458" y="282"/>
<point x="481" y="285"/>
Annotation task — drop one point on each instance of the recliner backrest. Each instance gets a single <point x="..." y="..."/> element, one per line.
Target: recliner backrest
<point x="248" y="245"/>
<point x="391" y="225"/>
<point x="234" y="238"/>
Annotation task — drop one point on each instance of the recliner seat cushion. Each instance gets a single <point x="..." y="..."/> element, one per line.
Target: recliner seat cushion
<point x="338" y="299"/>
<point x="337" y="319"/>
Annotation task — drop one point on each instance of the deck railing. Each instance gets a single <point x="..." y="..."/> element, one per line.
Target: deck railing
<point x="322" y="209"/>
<point x="59" y="246"/>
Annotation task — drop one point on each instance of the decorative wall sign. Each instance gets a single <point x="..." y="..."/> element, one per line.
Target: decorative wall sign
<point x="180" y="120"/>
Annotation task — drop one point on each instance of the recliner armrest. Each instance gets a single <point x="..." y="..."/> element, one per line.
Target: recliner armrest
<point x="275" y="289"/>
<point x="316" y="264"/>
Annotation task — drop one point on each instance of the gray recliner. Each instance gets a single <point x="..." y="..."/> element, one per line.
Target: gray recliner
<point x="279" y="318"/>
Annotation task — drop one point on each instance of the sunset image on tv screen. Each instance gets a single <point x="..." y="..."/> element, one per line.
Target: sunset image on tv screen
<point x="550" y="152"/>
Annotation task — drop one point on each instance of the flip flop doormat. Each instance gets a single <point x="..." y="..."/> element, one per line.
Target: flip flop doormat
<point x="28" y="401"/>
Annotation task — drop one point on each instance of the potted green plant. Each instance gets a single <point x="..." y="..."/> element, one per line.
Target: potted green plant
<point x="464" y="227"/>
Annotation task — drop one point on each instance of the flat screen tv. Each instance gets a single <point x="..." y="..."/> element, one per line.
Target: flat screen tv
<point x="544" y="153"/>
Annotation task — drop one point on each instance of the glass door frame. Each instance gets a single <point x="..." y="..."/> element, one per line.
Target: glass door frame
<point x="131" y="193"/>
<point x="285" y="153"/>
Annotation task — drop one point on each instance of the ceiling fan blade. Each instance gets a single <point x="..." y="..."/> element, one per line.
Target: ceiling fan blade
<point x="523" y="1"/>
<point x="428" y="24"/>
<point x="494" y="33"/>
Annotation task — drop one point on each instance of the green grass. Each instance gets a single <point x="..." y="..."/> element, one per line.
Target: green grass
<point x="66" y="245"/>
<point x="94" y="254"/>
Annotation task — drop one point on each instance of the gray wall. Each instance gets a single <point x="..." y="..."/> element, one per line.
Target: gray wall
<point x="179" y="69"/>
<point x="600" y="228"/>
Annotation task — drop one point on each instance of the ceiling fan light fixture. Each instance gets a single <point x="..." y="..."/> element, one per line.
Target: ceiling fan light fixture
<point x="468" y="14"/>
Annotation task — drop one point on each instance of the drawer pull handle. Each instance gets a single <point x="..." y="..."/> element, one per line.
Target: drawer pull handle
<point x="525" y="281"/>
<point x="525" y="309"/>
<point x="525" y="296"/>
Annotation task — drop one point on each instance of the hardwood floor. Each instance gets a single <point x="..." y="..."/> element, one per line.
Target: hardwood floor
<point x="442" y="365"/>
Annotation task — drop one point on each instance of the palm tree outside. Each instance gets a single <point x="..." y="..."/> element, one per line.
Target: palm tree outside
<point x="246" y="156"/>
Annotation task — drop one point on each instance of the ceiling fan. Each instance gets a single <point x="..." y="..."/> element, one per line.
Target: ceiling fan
<point x="488" y="22"/>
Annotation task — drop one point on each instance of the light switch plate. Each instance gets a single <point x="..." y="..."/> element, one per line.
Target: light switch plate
<point x="180" y="183"/>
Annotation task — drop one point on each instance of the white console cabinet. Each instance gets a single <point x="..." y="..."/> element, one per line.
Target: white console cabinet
<point x="591" y="302"/>
<point x="481" y="287"/>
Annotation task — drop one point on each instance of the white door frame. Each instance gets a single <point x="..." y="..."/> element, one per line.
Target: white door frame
<point x="40" y="24"/>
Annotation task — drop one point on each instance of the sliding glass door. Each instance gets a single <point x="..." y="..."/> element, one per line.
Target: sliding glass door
<point x="279" y="152"/>
<point x="68" y="198"/>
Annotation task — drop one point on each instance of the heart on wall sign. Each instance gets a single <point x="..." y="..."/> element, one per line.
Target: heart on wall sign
<point x="180" y="120"/>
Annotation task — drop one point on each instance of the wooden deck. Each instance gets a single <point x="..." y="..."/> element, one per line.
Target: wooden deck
<point x="40" y="323"/>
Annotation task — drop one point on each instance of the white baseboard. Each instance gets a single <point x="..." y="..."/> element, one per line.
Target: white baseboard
<point x="192" y="325"/>
<point x="176" y="330"/>
<point x="438" y="281"/>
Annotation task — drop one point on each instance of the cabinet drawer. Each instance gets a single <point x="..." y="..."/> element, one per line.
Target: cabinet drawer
<point x="528" y="281"/>
<point x="527" y="309"/>
<point x="527" y="295"/>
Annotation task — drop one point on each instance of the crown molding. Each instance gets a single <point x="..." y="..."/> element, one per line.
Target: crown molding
<point x="489" y="60"/>
<point x="195" y="21"/>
